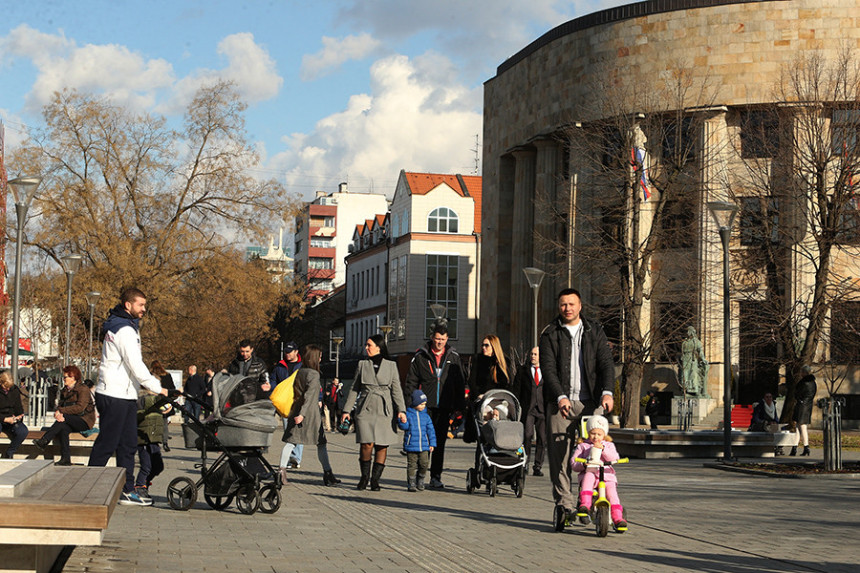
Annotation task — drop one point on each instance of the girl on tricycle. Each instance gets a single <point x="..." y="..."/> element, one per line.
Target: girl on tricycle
<point x="592" y="460"/>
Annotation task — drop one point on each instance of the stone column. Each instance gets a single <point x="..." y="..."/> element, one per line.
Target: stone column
<point x="521" y="247"/>
<point x="546" y="236"/>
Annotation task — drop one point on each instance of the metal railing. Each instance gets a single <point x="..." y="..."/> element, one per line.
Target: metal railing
<point x="37" y="412"/>
<point x="831" y="413"/>
<point x="686" y="406"/>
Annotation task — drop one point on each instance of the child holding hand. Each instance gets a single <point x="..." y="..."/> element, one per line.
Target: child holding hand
<point x="597" y="449"/>
<point x="418" y="441"/>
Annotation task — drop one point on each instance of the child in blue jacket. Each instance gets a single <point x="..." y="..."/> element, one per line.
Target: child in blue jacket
<point x="418" y="441"/>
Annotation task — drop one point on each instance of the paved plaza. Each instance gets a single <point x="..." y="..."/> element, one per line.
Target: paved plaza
<point x="683" y="517"/>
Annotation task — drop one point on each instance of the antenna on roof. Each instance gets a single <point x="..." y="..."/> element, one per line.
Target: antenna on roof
<point x="477" y="156"/>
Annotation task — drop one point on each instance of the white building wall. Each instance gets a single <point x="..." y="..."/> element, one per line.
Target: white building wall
<point x="352" y="209"/>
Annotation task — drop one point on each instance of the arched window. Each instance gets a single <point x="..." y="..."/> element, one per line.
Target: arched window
<point x="442" y="220"/>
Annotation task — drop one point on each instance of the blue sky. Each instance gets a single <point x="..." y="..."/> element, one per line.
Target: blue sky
<point x="338" y="90"/>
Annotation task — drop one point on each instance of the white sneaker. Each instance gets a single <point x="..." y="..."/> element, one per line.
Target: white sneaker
<point x="436" y="483"/>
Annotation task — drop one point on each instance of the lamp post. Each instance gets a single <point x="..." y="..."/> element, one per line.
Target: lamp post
<point x="338" y="340"/>
<point x="71" y="264"/>
<point x="535" y="277"/>
<point x="23" y="191"/>
<point x="724" y="215"/>
<point x="386" y="330"/>
<point x="92" y="298"/>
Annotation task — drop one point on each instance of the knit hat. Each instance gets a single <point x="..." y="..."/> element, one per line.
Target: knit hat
<point x="503" y="411"/>
<point x="418" y="398"/>
<point x="597" y="422"/>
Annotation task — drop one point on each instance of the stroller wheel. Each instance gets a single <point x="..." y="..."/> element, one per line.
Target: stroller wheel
<point x="181" y="493"/>
<point x="248" y="499"/>
<point x="217" y="502"/>
<point x="270" y="498"/>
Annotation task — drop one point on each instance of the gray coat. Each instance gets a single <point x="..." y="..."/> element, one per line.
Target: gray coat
<point x="381" y="399"/>
<point x="306" y="391"/>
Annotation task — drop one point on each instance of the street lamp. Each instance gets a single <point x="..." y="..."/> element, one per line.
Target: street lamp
<point x="23" y="191"/>
<point x="724" y="215"/>
<point x="71" y="265"/>
<point x="338" y="340"/>
<point x="535" y="277"/>
<point x="92" y="298"/>
<point x="386" y="330"/>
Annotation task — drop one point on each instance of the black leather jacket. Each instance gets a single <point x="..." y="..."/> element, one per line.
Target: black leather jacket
<point x="555" y="351"/>
<point x="449" y="392"/>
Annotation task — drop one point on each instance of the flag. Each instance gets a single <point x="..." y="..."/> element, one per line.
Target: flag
<point x="637" y="159"/>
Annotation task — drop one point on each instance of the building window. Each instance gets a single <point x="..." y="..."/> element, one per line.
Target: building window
<point x="759" y="220"/>
<point x="669" y="329"/>
<point x="679" y="224"/>
<point x="298" y="247"/>
<point x="679" y="144"/>
<point x="319" y="263"/>
<point x="759" y="134"/>
<point x="845" y="128"/>
<point x="442" y="286"/>
<point x="845" y="332"/>
<point x="442" y="220"/>
<point x="328" y="221"/>
<point x="322" y="242"/>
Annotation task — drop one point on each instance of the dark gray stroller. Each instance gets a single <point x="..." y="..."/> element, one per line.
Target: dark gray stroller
<point x="500" y="457"/>
<point x="241" y="428"/>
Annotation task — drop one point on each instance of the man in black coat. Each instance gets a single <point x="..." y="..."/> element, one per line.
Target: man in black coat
<point x="195" y="386"/>
<point x="437" y="371"/>
<point x="249" y="364"/>
<point x="579" y="375"/>
<point x="528" y="387"/>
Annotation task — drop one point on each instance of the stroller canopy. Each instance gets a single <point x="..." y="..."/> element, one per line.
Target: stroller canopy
<point x="492" y="398"/>
<point x="236" y="403"/>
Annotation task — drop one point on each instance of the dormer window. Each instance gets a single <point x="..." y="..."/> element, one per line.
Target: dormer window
<point x="442" y="220"/>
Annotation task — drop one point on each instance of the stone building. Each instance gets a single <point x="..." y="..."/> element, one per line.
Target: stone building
<point x="537" y="109"/>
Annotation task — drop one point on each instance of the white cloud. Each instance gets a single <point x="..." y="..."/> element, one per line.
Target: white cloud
<point x="335" y="53"/>
<point x="410" y="120"/>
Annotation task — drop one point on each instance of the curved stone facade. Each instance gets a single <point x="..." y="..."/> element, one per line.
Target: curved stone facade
<point x="738" y="48"/>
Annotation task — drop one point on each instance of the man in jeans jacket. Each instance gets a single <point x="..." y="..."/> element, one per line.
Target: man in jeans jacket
<point x="437" y="371"/>
<point x="579" y="374"/>
<point x="121" y="374"/>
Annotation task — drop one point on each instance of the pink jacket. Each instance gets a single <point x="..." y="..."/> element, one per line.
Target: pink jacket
<point x="583" y="450"/>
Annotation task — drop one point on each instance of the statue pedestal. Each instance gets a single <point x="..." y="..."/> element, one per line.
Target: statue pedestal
<point x="700" y="407"/>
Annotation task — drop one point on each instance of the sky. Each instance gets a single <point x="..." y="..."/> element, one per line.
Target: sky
<point x="337" y="90"/>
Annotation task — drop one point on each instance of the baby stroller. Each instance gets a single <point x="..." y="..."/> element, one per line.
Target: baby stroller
<point x="500" y="457"/>
<point x="241" y="428"/>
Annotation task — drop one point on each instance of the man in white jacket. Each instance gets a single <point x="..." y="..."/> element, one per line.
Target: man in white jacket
<point x="121" y="375"/>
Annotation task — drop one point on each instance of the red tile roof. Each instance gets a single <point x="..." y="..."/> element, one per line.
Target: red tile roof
<point x="463" y="185"/>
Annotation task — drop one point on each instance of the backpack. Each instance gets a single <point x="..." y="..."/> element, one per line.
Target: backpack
<point x="282" y="396"/>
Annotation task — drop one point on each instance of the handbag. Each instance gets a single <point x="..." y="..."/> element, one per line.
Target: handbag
<point x="283" y="396"/>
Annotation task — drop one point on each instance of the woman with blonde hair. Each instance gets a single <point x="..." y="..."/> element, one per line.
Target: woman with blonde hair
<point x="490" y="370"/>
<point x="11" y="414"/>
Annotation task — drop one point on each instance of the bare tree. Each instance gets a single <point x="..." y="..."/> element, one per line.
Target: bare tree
<point x="795" y="176"/>
<point x="636" y="170"/>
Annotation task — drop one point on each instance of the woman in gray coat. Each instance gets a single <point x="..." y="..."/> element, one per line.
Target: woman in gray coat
<point x="304" y="424"/>
<point x="378" y="395"/>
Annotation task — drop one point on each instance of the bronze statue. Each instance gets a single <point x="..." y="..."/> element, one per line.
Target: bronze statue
<point x="693" y="367"/>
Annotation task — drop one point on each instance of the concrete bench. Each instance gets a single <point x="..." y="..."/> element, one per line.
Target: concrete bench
<point x="664" y="444"/>
<point x="46" y="510"/>
<point x="80" y="447"/>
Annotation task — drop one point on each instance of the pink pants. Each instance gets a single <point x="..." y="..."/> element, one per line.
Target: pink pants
<point x="587" y="483"/>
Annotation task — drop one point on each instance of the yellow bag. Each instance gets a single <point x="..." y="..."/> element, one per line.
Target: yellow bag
<point x="282" y="396"/>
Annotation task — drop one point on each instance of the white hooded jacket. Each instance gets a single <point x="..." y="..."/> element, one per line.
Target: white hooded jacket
<point x="122" y="371"/>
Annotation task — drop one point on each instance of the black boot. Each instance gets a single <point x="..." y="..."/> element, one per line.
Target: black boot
<point x="41" y="443"/>
<point x="329" y="479"/>
<point x="793" y="451"/>
<point x="805" y="451"/>
<point x="365" y="473"/>
<point x="410" y="484"/>
<point x="419" y="483"/>
<point x="375" y="475"/>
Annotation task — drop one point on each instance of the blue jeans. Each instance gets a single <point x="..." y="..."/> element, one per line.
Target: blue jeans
<point x="17" y="433"/>
<point x="151" y="463"/>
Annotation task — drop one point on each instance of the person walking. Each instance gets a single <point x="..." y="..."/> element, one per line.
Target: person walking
<point x="304" y="423"/>
<point x="76" y="412"/>
<point x="804" y="396"/>
<point x="378" y="383"/>
<point x="579" y="373"/>
<point x="291" y="362"/>
<point x="528" y="387"/>
<point x="436" y="369"/>
<point x="166" y="382"/>
<point x="490" y="370"/>
<point x="122" y="373"/>
<point x="418" y="441"/>
<point x="247" y="363"/>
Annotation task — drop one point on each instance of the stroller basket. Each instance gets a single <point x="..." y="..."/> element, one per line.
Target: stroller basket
<point x="194" y="437"/>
